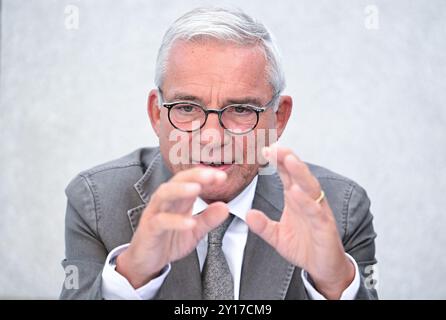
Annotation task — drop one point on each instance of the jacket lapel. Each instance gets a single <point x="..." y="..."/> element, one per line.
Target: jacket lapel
<point x="265" y="274"/>
<point x="183" y="280"/>
<point x="156" y="173"/>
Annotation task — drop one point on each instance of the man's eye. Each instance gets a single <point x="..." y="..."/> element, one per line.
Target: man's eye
<point x="242" y="110"/>
<point x="186" y="108"/>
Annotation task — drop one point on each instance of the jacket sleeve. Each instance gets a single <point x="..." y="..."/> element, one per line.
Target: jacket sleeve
<point x="85" y="254"/>
<point x="359" y="240"/>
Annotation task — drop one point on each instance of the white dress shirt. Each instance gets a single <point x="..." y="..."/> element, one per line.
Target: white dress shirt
<point x="115" y="286"/>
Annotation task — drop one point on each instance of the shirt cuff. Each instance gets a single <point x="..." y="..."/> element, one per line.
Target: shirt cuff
<point x="348" y="294"/>
<point x="115" y="286"/>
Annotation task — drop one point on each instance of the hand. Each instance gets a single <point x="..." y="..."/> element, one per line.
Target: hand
<point x="306" y="234"/>
<point x="167" y="230"/>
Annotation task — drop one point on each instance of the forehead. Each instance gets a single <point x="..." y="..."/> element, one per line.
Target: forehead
<point x="216" y="68"/>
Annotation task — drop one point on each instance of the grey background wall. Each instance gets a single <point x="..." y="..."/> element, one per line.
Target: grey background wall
<point x="369" y="104"/>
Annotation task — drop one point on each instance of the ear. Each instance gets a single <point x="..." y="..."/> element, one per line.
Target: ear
<point x="283" y="113"/>
<point x="153" y="109"/>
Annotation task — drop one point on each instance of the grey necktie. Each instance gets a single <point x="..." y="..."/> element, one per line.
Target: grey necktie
<point x="216" y="277"/>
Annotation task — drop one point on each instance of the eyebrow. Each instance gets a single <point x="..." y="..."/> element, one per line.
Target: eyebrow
<point x="243" y="100"/>
<point x="188" y="97"/>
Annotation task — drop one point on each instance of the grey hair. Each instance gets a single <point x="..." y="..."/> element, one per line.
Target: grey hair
<point x="232" y="25"/>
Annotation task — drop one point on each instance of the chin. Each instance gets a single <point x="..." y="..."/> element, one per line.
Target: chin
<point x="218" y="193"/>
<point x="235" y="183"/>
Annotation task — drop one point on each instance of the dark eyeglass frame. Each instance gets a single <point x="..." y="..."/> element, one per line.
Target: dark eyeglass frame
<point x="219" y="112"/>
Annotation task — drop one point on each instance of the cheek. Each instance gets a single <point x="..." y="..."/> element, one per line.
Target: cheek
<point x="267" y="130"/>
<point x="164" y="124"/>
<point x="168" y="135"/>
<point x="175" y="147"/>
<point x="163" y="136"/>
<point x="270" y="120"/>
<point x="165" y="142"/>
<point x="242" y="173"/>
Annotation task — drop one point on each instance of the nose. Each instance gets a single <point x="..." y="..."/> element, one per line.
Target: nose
<point x="212" y="122"/>
<point x="211" y="128"/>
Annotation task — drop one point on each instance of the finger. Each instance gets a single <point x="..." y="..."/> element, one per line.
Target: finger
<point x="177" y="190"/>
<point x="270" y="154"/>
<point x="170" y="192"/>
<point x="294" y="170"/>
<point x="182" y="190"/>
<point x="292" y="198"/>
<point x="203" y="176"/>
<point x="300" y="174"/>
<point x="211" y="218"/>
<point x="284" y="176"/>
<point x="264" y="227"/>
<point x="300" y="202"/>
<point x="277" y="154"/>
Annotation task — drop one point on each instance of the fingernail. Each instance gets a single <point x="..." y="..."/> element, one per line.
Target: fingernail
<point x="220" y="175"/>
<point x="207" y="174"/>
<point x="193" y="187"/>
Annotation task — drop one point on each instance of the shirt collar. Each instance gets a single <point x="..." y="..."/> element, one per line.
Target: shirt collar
<point x="239" y="206"/>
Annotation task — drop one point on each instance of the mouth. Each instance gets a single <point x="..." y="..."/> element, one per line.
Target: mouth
<point x="216" y="165"/>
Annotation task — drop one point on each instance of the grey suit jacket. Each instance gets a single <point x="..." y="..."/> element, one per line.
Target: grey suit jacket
<point x="106" y="202"/>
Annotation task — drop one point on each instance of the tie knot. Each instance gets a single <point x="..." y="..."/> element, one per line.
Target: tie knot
<point x="215" y="237"/>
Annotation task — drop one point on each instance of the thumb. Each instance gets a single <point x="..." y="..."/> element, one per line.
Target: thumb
<point x="264" y="227"/>
<point x="211" y="218"/>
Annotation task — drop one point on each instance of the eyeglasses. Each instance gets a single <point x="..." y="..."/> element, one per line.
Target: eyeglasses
<point x="237" y="119"/>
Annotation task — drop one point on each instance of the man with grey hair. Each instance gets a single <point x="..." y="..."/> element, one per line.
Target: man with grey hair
<point x="193" y="218"/>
